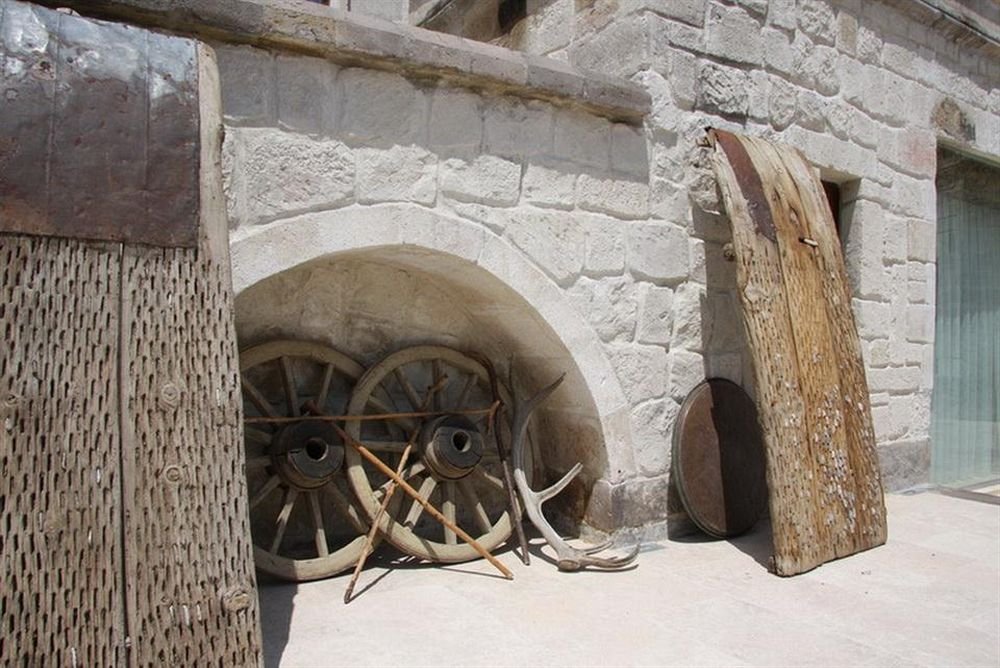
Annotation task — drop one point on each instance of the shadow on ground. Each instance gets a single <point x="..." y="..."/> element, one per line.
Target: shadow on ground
<point x="277" y="600"/>
<point x="756" y="543"/>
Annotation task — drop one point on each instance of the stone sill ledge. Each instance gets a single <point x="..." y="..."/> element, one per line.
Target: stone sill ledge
<point x="350" y="39"/>
<point x="981" y="17"/>
<point x="973" y="24"/>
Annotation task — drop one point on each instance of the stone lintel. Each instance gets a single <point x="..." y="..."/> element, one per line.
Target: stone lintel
<point x="353" y="39"/>
<point x="974" y="24"/>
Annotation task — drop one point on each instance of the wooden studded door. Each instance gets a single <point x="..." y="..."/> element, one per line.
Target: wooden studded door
<point x="124" y="536"/>
<point x="824" y="483"/>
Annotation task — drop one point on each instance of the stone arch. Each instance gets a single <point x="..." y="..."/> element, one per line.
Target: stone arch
<point x="373" y="267"/>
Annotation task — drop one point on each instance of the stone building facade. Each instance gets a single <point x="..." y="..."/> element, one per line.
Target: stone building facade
<point x="548" y="199"/>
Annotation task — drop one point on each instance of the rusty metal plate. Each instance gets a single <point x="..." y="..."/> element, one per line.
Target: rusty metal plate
<point x="719" y="459"/>
<point x="750" y="183"/>
<point x="99" y="130"/>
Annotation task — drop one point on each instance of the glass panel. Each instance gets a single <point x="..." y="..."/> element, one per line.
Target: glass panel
<point x="966" y="403"/>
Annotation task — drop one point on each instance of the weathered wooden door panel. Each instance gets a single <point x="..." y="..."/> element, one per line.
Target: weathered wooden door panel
<point x="125" y="537"/>
<point x="191" y="584"/>
<point x="824" y="483"/>
<point x="61" y="602"/>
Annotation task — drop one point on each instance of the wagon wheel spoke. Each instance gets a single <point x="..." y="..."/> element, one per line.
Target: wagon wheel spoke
<point x="410" y="472"/>
<point x="257" y="399"/>
<point x="489" y="479"/>
<point x="448" y="510"/>
<point x="265" y="491"/>
<point x="437" y="389"/>
<point x="254" y="463"/>
<point x="478" y="512"/>
<point x="324" y="385"/>
<point x="463" y="397"/>
<point x="281" y="523"/>
<point x="322" y="549"/>
<point x="258" y="436"/>
<point x="408" y="390"/>
<point x="382" y="407"/>
<point x="417" y="508"/>
<point x="291" y="391"/>
<point x="481" y="420"/>
<point x="345" y="507"/>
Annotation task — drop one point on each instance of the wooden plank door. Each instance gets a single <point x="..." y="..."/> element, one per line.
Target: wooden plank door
<point x="123" y="510"/>
<point x="825" y="490"/>
<point x="61" y="553"/>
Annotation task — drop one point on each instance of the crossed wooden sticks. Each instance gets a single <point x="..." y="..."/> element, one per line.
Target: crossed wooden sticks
<point x="434" y="512"/>
<point x="396" y="480"/>
<point x="395" y="477"/>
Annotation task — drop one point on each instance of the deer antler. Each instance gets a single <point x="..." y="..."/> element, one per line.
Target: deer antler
<point x="569" y="558"/>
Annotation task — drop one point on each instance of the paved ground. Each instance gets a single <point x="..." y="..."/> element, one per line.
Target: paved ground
<point x="930" y="597"/>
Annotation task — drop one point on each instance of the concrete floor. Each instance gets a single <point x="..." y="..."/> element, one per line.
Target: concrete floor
<point x="929" y="597"/>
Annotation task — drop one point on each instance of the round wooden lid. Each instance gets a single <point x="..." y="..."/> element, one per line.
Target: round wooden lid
<point x="718" y="459"/>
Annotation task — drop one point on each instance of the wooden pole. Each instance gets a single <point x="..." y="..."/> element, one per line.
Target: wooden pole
<point x="512" y="502"/>
<point x="370" y="538"/>
<point x="369" y="417"/>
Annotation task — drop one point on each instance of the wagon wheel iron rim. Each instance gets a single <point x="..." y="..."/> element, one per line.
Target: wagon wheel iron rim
<point x="305" y="522"/>
<point x="455" y="463"/>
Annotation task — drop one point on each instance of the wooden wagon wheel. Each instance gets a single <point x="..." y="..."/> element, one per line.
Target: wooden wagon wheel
<point x="304" y="520"/>
<point x="455" y="464"/>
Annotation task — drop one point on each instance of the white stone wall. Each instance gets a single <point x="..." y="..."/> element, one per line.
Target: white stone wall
<point x="600" y="242"/>
<point x="865" y="90"/>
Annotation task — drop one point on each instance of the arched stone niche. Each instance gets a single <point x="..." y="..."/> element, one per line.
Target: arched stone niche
<point x="371" y="280"/>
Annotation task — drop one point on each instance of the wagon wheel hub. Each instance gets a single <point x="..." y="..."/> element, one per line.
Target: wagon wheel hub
<point x="452" y="446"/>
<point x="308" y="454"/>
